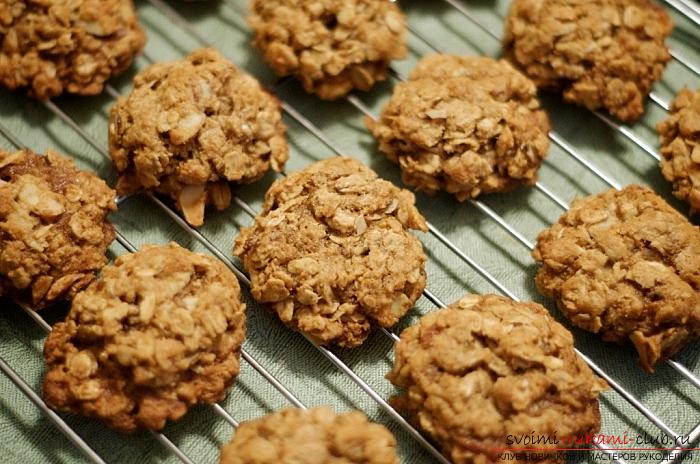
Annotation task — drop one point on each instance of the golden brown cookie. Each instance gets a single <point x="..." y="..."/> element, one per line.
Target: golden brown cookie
<point x="55" y="46"/>
<point x="331" y="252"/>
<point x="190" y="127"/>
<point x="53" y="228"/>
<point x="466" y="125"/>
<point x="331" y="46"/>
<point x="679" y="135"/>
<point x="599" y="53"/>
<point x="316" y="436"/>
<point x="159" y="331"/>
<point x="486" y="368"/>
<point x="626" y="265"/>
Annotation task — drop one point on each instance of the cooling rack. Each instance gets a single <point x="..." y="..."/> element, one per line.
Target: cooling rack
<point x="481" y="246"/>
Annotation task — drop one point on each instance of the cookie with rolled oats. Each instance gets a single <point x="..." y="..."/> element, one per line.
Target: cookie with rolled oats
<point x="331" y="46"/>
<point x="314" y="436"/>
<point x="190" y="128"/>
<point x="465" y="125"/>
<point x="679" y="135"/>
<point x="54" y="231"/>
<point x="598" y="53"/>
<point x="49" y="47"/>
<point x="331" y="252"/>
<point x="160" y="331"/>
<point x="626" y="265"/>
<point x="486" y="370"/>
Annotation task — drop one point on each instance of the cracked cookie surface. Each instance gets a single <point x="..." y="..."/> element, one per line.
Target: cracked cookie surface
<point x="53" y="227"/>
<point x="487" y="367"/>
<point x="331" y="252"/>
<point x="599" y="53"/>
<point x="191" y="127"/>
<point x="331" y="46"/>
<point x="316" y="436"/>
<point x="465" y="125"/>
<point x="679" y="135"/>
<point x="55" y="46"/>
<point x="159" y="331"/>
<point x="625" y="265"/>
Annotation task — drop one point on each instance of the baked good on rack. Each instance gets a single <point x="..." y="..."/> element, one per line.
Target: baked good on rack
<point x="598" y="53"/>
<point x="159" y="331"/>
<point x="190" y="127"/>
<point x="487" y="368"/>
<point x="314" y="436"/>
<point x="466" y="125"/>
<point x="55" y="46"/>
<point x="53" y="228"/>
<point x="331" y="46"/>
<point x="331" y="252"/>
<point x="679" y="135"/>
<point x="626" y="265"/>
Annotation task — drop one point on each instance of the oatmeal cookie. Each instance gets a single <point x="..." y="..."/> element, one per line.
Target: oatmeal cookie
<point x="55" y="46"/>
<point x="626" y="265"/>
<point x="599" y="53"/>
<point x="331" y="252"/>
<point x="466" y="125"/>
<point x="190" y="127"/>
<point x="331" y="46"/>
<point x="487" y="367"/>
<point x="679" y="135"/>
<point x="159" y="331"/>
<point x="53" y="228"/>
<point x="316" y="436"/>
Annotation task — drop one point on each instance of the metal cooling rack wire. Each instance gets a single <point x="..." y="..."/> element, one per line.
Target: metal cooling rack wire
<point x="172" y="14"/>
<point x="687" y="9"/>
<point x="159" y="436"/>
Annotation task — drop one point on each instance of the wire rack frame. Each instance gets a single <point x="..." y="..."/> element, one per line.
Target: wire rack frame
<point x="172" y="14"/>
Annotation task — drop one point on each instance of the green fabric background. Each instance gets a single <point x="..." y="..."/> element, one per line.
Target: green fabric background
<point x="27" y="436"/>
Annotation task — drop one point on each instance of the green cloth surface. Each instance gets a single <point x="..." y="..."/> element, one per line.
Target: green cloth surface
<point x="26" y="435"/>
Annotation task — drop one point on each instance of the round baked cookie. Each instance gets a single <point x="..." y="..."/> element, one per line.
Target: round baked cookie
<point x="55" y="46"/>
<point x="159" y="331"/>
<point x="331" y="46"/>
<point x="599" y="53"/>
<point x="314" y="436"/>
<point x="679" y="135"/>
<point x="465" y="125"/>
<point x="331" y="252"/>
<point x="190" y="127"/>
<point x="626" y="265"/>
<point x="486" y="368"/>
<point x="53" y="228"/>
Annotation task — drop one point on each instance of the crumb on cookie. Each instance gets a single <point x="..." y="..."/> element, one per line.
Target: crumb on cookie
<point x="53" y="228"/>
<point x="487" y="367"/>
<point x="599" y="53"/>
<point x="331" y="252"/>
<point x="314" y="436"/>
<point x="679" y="135"/>
<point x="190" y="127"/>
<point x="465" y="125"/>
<point x="159" y="331"/>
<point x="626" y="265"/>
<point x="332" y="47"/>
<point x="54" y="46"/>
